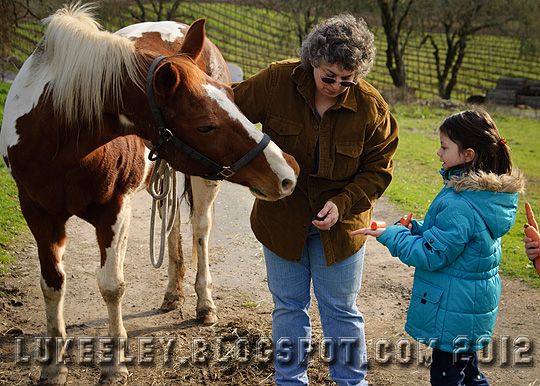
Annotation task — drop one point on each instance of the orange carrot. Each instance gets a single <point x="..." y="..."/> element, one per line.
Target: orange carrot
<point x="530" y="216"/>
<point x="377" y="224"/>
<point x="533" y="234"/>
<point x="406" y="220"/>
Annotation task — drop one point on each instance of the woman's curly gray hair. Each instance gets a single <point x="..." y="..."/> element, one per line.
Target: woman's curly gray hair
<point x="341" y="39"/>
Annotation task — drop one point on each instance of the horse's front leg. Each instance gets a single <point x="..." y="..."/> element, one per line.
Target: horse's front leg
<point x="112" y="233"/>
<point x="174" y="296"/>
<point x="49" y="232"/>
<point x="204" y="194"/>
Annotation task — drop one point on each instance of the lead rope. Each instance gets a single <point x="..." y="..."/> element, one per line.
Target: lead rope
<point x="162" y="188"/>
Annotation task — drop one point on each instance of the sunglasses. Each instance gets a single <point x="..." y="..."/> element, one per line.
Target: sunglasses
<point x="343" y="83"/>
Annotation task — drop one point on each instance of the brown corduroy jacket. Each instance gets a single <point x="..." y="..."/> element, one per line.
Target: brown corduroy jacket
<point x="357" y="140"/>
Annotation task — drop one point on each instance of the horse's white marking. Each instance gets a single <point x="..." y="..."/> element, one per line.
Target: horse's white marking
<point x="169" y="30"/>
<point x="216" y="68"/>
<point x="147" y="170"/>
<point x="204" y="194"/>
<point x="234" y="112"/>
<point x="54" y="304"/>
<point x="22" y="97"/>
<point x="111" y="275"/>
<point x="273" y="153"/>
<point x="147" y="165"/>
<point x="277" y="162"/>
<point x="125" y="121"/>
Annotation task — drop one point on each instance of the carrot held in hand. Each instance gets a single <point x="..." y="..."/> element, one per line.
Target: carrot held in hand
<point x="377" y="225"/>
<point x="375" y="229"/>
<point x="533" y="234"/>
<point x="406" y="220"/>
<point x="530" y="216"/>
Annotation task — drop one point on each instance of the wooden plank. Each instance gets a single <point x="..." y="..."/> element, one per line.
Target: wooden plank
<point x="507" y="97"/>
<point x="511" y="84"/>
<point x="532" y="101"/>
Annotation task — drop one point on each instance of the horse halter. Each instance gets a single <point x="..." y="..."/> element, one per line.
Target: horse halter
<point x="217" y="171"/>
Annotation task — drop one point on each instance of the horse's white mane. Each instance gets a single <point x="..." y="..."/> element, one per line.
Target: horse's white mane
<point x="85" y="64"/>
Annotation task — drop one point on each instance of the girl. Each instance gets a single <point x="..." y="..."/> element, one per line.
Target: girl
<point x="457" y="248"/>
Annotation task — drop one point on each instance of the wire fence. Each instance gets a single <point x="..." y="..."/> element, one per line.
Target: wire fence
<point x="253" y="36"/>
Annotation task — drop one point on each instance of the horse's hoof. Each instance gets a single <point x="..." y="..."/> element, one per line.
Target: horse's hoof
<point x="207" y="317"/>
<point x="114" y="376"/>
<point x="55" y="381"/>
<point x="53" y="376"/>
<point x="171" y="302"/>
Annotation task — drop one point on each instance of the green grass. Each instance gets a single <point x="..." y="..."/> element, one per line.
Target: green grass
<point x="250" y="304"/>
<point x="12" y="223"/>
<point x="417" y="181"/>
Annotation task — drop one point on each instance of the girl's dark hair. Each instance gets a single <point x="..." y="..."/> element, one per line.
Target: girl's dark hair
<point x="475" y="129"/>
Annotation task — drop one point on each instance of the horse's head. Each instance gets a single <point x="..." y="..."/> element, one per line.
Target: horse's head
<point x="199" y="113"/>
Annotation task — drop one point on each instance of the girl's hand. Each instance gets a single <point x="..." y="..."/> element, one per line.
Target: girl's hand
<point x="327" y="216"/>
<point x="368" y="231"/>
<point x="406" y="220"/>
<point x="532" y="249"/>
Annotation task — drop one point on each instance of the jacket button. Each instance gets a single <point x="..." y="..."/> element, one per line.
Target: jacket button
<point x="431" y="241"/>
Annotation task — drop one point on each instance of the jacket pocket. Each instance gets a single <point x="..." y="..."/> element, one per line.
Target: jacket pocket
<point x="347" y="160"/>
<point x="284" y="132"/>
<point x="424" y="310"/>
<point x="432" y="243"/>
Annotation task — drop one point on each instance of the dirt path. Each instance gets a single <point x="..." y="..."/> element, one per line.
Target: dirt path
<point x="171" y="349"/>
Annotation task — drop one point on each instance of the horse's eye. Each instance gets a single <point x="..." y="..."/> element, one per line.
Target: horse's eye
<point x="205" y="129"/>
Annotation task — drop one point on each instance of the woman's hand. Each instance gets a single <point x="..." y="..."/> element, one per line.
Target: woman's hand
<point x="327" y="216"/>
<point x="532" y="249"/>
<point x="368" y="231"/>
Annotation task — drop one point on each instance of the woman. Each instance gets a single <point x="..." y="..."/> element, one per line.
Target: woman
<point x="338" y="127"/>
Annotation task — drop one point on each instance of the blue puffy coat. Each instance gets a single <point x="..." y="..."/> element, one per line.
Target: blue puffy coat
<point x="456" y="251"/>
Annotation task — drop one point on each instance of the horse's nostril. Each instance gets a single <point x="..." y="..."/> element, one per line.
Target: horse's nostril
<point x="286" y="185"/>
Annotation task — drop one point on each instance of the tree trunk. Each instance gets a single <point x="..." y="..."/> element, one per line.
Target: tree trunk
<point x="461" y="46"/>
<point x="396" y="67"/>
<point x="395" y="51"/>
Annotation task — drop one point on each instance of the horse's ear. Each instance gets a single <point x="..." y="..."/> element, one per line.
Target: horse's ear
<point x="194" y="40"/>
<point x="166" y="80"/>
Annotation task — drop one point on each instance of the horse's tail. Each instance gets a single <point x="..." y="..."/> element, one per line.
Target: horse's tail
<point x="187" y="194"/>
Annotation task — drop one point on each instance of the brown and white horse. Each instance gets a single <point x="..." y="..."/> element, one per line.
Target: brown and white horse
<point x="76" y="121"/>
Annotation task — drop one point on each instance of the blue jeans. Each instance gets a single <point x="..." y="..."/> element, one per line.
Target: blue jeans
<point x="336" y="288"/>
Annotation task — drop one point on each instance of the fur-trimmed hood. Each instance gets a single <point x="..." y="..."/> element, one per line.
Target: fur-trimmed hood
<point x="508" y="183"/>
<point x="493" y="196"/>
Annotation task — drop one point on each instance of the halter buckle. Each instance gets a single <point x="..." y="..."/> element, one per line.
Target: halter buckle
<point x="165" y="134"/>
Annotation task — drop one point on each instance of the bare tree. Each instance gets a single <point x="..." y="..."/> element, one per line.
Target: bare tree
<point x="30" y="9"/>
<point x="459" y="20"/>
<point x="155" y="10"/>
<point x="14" y="15"/>
<point x="397" y="29"/>
<point x="303" y="15"/>
<point x="525" y="27"/>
